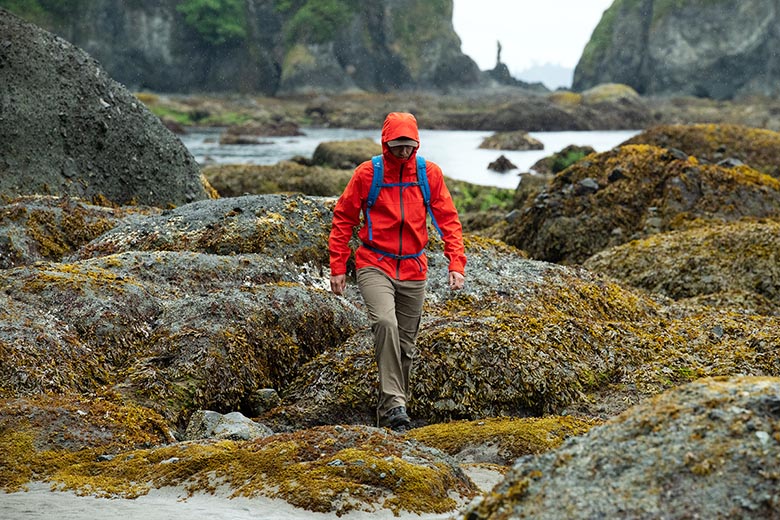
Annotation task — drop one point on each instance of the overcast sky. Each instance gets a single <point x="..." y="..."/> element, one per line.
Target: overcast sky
<point x="531" y="32"/>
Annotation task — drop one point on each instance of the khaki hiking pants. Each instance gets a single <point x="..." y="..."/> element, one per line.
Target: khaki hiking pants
<point x="394" y="310"/>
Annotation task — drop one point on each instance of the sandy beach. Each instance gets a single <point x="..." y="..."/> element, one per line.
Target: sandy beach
<point x="40" y="503"/>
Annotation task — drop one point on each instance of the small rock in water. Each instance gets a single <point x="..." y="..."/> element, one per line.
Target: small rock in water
<point x="501" y="165"/>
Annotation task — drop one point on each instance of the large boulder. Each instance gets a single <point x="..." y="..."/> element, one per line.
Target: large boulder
<point x="68" y="128"/>
<point x="708" y="449"/>
<point x="632" y="192"/>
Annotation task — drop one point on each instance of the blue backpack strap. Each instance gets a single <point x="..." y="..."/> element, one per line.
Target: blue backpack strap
<point x="422" y="180"/>
<point x="373" y="193"/>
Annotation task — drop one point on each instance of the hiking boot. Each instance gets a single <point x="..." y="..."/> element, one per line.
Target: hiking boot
<point x="396" y="419"/>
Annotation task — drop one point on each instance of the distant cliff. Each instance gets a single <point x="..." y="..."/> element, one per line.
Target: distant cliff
<point x="719" y="49"/>
<point x="263" y="46"/>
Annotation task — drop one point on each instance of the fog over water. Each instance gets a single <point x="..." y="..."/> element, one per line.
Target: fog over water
<point x="456" y="151"/>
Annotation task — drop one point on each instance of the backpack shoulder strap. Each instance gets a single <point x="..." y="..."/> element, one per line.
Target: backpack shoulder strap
<point x="376" y="183"/>
<point x="422" y="179"/>
<point x="425" y="188"/>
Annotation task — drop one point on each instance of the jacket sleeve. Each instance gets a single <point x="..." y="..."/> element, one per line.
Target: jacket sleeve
<point x="346" y="215"/>
<point x="446" y="215"/>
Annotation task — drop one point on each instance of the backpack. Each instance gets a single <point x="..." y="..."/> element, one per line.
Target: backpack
<point x="373" y="194"/>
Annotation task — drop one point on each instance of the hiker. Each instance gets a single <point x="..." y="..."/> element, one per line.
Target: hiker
<point x="390" y="193"/>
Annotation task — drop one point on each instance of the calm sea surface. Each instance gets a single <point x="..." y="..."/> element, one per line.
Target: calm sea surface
<point x="456" y="151"/>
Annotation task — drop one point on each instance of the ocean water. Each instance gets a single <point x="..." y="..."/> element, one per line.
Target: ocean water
<point x="456" y="151"/>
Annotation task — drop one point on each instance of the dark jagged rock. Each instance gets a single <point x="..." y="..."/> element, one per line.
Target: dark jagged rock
<point x="502" y="165"/>
<point x="692" y="451"/>
<point x="67" y="128"/>
<point x="684" y="48"/>
<point x="632" y="192"/>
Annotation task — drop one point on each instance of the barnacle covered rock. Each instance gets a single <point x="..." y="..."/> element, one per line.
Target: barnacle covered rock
<point x="732" y="258"/>
<point x="706" y="449"/>
<point x="292" y="227"/>
<point x="757" y="147"/>
<point x="632" y="192"/>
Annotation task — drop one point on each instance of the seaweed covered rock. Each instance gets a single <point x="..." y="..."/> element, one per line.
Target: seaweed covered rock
<point x="235" y="180"/>
<point x="706" y="449"/>
<point x="175" y="331"/>
<point x="524" y="313"/>
<point x="331" y="469"/>
<point x="73" y="422"/>
<point x="530" y="338"/>
<point x="757" y="147"/>
<point x="69" y="129"/>
<point x="292" y="227"/>
<point x="632" y="192"/>
<point x="732" y="258"/>
<point x="48" y="228"/>
<point x="345" y="154"/>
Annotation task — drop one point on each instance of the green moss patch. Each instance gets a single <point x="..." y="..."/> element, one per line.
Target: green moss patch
<point x="509" y="438"/>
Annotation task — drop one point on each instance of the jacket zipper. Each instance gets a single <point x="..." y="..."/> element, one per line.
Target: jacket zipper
<point x="401" y="226"/>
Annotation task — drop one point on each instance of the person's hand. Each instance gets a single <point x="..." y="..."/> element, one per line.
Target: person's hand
<point x="456" y="280"/>
<point x="338" y="283"/>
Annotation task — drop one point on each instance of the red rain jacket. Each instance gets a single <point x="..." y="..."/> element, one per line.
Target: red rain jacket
<point x="398" y="217"/>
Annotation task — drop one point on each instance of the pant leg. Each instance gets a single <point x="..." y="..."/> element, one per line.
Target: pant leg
<point x="409" y="299"/>
<point x="378" y="293"/>
<point x="394" y="311"/>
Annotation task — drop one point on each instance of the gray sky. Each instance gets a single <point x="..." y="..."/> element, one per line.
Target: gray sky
<point x="531" y="32"/>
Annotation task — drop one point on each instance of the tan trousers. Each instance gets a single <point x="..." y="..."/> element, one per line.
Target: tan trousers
<point x="394" y="310"/>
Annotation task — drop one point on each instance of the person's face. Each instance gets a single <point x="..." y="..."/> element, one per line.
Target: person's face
<point x="402" y="152"/>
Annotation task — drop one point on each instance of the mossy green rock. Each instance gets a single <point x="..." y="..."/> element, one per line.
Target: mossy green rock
<point x="234" y="180"/>
<point x="345" y="154"/>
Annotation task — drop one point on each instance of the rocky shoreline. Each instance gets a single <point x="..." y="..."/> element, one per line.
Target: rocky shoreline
<point x="615" y="346"/>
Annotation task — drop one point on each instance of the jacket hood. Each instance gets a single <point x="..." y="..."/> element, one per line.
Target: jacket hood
<point x="396" y="126"/>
